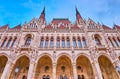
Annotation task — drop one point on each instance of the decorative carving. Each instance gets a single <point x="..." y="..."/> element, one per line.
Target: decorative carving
<point x="13" y="54"/>
<point x="93" y="51"/>
<point x="33" y="55"/>
<point x="112" y="53"/>
<point x="73" y="56"/>
<point x="54" y="56"/>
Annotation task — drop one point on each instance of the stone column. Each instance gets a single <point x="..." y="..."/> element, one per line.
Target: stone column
<point x="31" y="68"/>
<point x="54" y="70"/>
<point x="71" y="40"/>
<point x="55" y="40"/>
<point x="6" y="70"/>
<point x="74" y="71"/>
<point x="99" y="73"/>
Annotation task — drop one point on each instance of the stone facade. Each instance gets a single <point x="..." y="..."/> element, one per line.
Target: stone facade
<point x="60" y="50"/>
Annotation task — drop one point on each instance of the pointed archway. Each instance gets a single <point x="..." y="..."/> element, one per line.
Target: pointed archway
<point x="107" y="68"/>
<point x="3" y="61"/>
<point x="84" y="68"/>
<point x="20" y="69"/>
<point x="64" y="68"/>
<point x="44" y="68"/>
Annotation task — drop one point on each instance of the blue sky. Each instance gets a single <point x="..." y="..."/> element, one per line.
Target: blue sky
<point x="16" y="12"/>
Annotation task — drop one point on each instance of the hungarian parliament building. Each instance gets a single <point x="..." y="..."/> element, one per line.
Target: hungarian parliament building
<point x="60" y="49"/>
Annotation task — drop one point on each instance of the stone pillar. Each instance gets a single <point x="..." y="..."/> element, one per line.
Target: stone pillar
<point x="6" y="70"/>
<point x="74" y="71"/>
<point x="31" y="68"/>
<point x="71" y="40"/>
<point x="99" y="73"/>
<point x="54" y="70"/>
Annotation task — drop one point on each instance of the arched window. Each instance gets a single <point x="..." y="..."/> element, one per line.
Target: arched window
<point x="82" y="76"/>
<point x="41" y="42"/>
<point x="79" y="43"/>
<point x="115" y="43"/>
<point x="68" y="42"/>
<point x="28" y="41"/>
<point x="48" y="77"/>
<point x="84" y="42"/>
<point x="14" y="42"/>
<point x="65" y="77"/>
<point x="46" y="42"/>
<point x="4" y="42"/>
<point x="110" y="41"/>
<point x="24" y="77"/>
<point x="9" y="42"/>
<point x="61" y="77"/>
<point x="51" y="42"/>
<point x="79" y="77"/>
<point x="74" y="42"/>
<point x="58" y="42"/>
<point x="44" y="77"/>
<point x="118" y="39"/>
<point x="97" y="41"/>
<point x="63" y="42"/>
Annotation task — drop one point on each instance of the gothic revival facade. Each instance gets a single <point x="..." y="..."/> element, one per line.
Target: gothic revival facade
<point x="60" y="50"/>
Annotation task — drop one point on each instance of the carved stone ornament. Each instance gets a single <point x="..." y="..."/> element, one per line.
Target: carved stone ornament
<point x="33" y="55"/>
<point x="13" y="54"/>
<point x="54" y="56"/>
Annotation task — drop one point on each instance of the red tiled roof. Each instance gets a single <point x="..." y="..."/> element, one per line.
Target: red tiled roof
<point x="105" y="27"/>
<point x="17" y="27"/>
<point x="48" y="27"/>
<point x="62" y="27"/>
<point x="75" y="27"/>
<point x="117" y="26"/>
<point x="57" y="21"/>
<point x="4" y="27"/>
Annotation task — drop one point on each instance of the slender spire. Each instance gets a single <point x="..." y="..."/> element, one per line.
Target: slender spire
<point x="42" y="16"/>
<point x="43" y="12"/>
<point x="78" y="16"/>
<point x="77" y="12"/>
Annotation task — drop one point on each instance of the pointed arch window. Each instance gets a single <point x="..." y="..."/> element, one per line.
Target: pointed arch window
<point x="61" y="77"/>
<point x="68" y="42"/>
<point x="28" y="41"/>
<point x="44" y="77"/>
<point x="65" y="77"/>
<point x="14" y="42"/>
<point x="9" y="42"/>
<point x="118" y="39"/>
<point x="79" y="43"/>
<point x="97" y="41"/>
<point x="46" y="42"/>
<point x="115" y="43"/>
<point x="74" y="42"/>
<point x="4" y="42"/>
<point x="24" y="77"/>
<point x="63" y="42"/>
<point x="48" y="77"/>
<point x="79" y="77"/>
<point x="110" y="41"/>
<point x="58" y="42"/>
<point x="42" y="42"/>
<point x="84" y="42"/>
<point x="51" y="42"/>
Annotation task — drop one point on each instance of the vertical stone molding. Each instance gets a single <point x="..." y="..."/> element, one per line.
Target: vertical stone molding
<point x="98" y="70"/>
<point x="74" y="71"/>
<point x="31" y="69"/>
<point x="54" y="70"/>
<point x="6" y="70"/>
